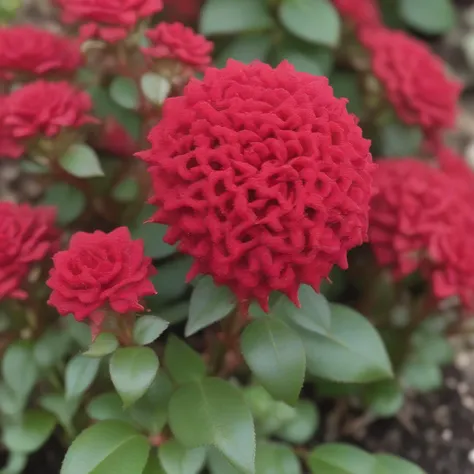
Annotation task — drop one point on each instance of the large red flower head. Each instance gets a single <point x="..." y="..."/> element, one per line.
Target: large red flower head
<point x="360" y="12"/>
<point x="100" y="271"/>
<point x="414" y="79"/>
<point x="109" y="20"/>
<point x="9" y="147"/>
<point x="44" y="109"/>
<point x="28" y="236"/>
<point x="177" y="42"/>
<point x="33" y="51"/>
<point x="263" y="176"/>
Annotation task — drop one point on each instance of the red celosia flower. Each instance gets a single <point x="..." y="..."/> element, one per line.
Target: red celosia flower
<point x="413" y="78"/>
<point x="263" y="176"/>
<point x="9" y="148"/>
<point x="109" y="20"/>
<point x="420" y="220"/>
<point x="28" y="236"/>
<point x="29" y="50"/>
<point x="360" y="12"/>
<point x="100" y="271"/>
<point x="45" y="109"/>
<point x="184" y="10"/>
<point x="115" y="139"/>
<point x="178" y="42"/>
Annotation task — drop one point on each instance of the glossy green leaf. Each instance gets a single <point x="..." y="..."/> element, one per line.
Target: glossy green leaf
<point x="153" y="466"/>
<point x="428" y="16"/>
<point x="399" y="139"/>
<point x="16" y="464"/>
<point x="432" y="348"/>
<point x="276" y="356"/>
<point x="81" y="161"/>
<point x="62" y="408"/>
<point x="213" y="412"/>
<point x="352" y="352"/>
<point x="148" y="328"/>
<point x="107" y="406"/>
<point x="152" y="235"/>
<point x="218" y="464"/>
<point x="132" y="370"/>
<point x="174" y="313"/>
<point x="209" y="304"/>
<point x="228" y="17"/>
<point x="105" y="448"/>
<point x="176" y="459"/>
<point x="387" y="464"/>
<point x="170" y="281"/>
<point x="126" y="190"/>
<point x="421" y="376"/>
<point x="279" y="416"/>
<point x="303" y="426"/>
<point x="80" y="373"/>
<point x="104" y="344"/>
<point x="315" y="21"/>
<point x="51" y="347"/>
<point x="384" y="399"/>
<point x="183" y="363"/>
<point x="274" y="458"/>
<point x="346" y="85"/>
<point x="340" y="459"/>
<point x="246" y="48"/>
<point x="28" y="436"/>
<point x="155" y="87"/>
<point x="10" y="403"/>
<point x="79" y="332"/>
<point x="314" y="314"/>
<point x="124" y="92"/>
<point x="68" y="201"/>
<point x="19" y="370"/>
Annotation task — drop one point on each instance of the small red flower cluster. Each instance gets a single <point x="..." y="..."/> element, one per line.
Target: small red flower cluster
<point x="177" y="42"/>
<point x="26" y="50"/>
<point x="9" y="147"/>
<point x="28" y="236"/>
<point x="421" y="220"/>
<point x="263" y="176"/>
<point x="42" y="109"/>
<point x="413" y="78"/>
<point x="360" y="13"/>
<point x="108" y="20"/>
<point x="98" y="272"/>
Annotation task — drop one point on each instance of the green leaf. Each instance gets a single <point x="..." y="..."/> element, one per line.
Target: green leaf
<point x="174" y="313"/>
<point x="63" y="409"/>
<point x="384" y="399"/>
<point x="34" y="430"/>
<point x="68" y="200"/>
<point x="19" y="370"/>
<point x="228" y="16"/>
<point x="81" y="161"/>
<point x="274" y="458"/>
<point x="316" y="21"/>
<point x="218" y="464"/>
<point x="105" y="448"/>
<point x="155" y="87"/>
<point x="276" y="356"/>
<point x="432" y="348"/>
<point x="340" y="459"/>
<point x="132" y="370"/>
<point x="314" y="315"/>
<point x="421" y="376"/>
<point x="79" y="332"/>
<point x="107" y="406"/>
<point x="428" y="16"/>
<point x="352" y="352"/>
<point x="104" y="344"/>
<point x="394" y="465"/>
<point x="51" y="347"/>
<point x="126" y="190"/>
<point x="398" y="139"/>
<point x="153" y="466"/>
<point x="183" y="363"/>
<point x="10" y="403"/>
<point x="176" y="459"/>
<point x="152" y="235"/>
<point x="80" y="373"/>
<point x="124" y="92"/>
<point x="16" y="464"/>
<point x="280" y="415"/>
<point x="148" y="328"/>
<point x="246" y="48"/>
<point x="213" y="412"/>
<point x="303" y="426"/>
<point x="345" y="85"/>
<point x="209" y="304"/>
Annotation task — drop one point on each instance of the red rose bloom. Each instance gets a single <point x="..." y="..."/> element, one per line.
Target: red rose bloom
<point x="115" y="139"/>
<point x="413" y="78"/>
<point x="109" y="20"/>
<point x="360" y="12"/>
<point x="263" y="176"/>
<point x="29" y="50"/>
<point x="9" y="148"/>
<point x="100" y="271"/>
<point x="28" y="236"/>
<point x="183" y="10"/>
<point x="45" y="109"/>
<point x="176" y="41"/>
